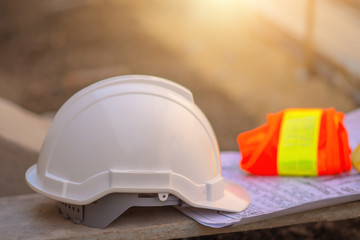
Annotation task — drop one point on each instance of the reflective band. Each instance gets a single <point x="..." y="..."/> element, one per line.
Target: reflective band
<point x="298" y="142"/>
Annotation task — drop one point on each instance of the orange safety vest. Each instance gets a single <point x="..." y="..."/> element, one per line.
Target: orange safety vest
<point x="302" y="142"/>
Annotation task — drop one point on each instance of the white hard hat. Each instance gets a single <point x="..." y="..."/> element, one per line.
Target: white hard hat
<point x="133" y="135"/>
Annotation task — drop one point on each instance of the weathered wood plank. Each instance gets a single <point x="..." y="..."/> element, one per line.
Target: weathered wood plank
<point x="21" y="126"/>
<point x="35" y="217"/>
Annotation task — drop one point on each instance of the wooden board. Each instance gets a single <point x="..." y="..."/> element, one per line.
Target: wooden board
<point x="34" y="216"/>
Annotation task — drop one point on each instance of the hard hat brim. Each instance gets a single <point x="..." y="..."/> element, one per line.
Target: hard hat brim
<point x="235" y="199"/>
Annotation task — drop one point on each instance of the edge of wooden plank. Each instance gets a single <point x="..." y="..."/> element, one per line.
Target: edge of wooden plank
<point x="34" y="216"/>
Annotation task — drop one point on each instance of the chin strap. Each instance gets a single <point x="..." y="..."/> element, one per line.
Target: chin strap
<point x="101" y="213"/>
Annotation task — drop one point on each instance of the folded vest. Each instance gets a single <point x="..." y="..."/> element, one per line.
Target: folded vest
<point x="297" y="142"/>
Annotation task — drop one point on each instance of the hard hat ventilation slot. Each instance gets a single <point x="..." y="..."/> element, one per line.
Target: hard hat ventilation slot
<point x="104" y="211"/>
<point x="71" y="211"/>
<point x="147" y="195"/>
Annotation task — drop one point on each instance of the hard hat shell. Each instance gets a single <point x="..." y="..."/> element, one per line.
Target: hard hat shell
<point x="133" y="134"/>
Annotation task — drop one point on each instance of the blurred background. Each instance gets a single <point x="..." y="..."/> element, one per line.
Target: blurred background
<point x="241" y="59"/>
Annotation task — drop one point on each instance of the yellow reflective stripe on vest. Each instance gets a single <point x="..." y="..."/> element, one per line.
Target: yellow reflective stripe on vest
<point x="298" y="142"/>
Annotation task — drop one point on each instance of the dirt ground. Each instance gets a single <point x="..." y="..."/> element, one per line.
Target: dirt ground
<point x="51" y="49"/>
